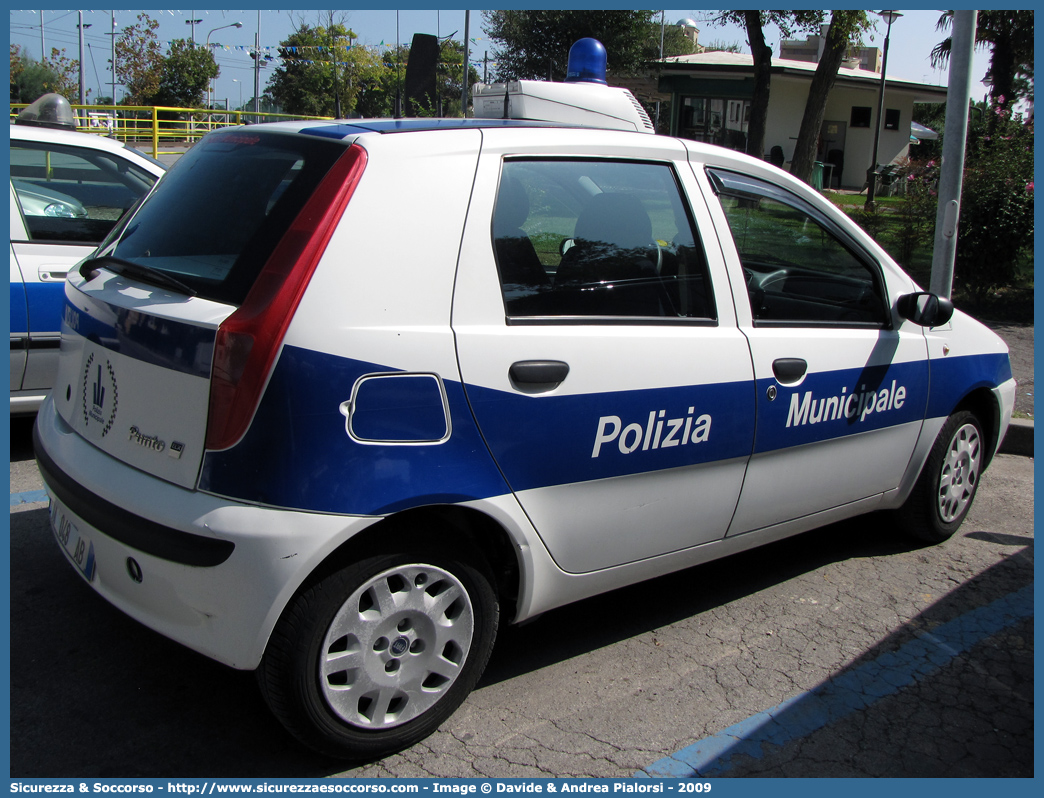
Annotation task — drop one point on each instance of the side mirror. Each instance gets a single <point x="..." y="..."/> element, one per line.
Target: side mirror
<point x="925" y="309"/>
<point x="566" y="245"/>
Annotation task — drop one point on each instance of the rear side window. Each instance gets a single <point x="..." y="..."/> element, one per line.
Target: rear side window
<point x="221" y="210"/>
<point x="589" y="239"/>
<point x="73" y="195"/>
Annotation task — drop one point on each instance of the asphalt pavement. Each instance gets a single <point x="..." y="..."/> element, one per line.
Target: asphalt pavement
<point x="846" y="651"/>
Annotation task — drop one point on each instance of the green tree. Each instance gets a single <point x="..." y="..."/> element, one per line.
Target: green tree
<point x="139" y="61"/>
<point x="721" y="46"/>
<point x="448" y="76"/>
<point x="376" y="92"/>
<point x="1009" y="35"/>
<point x="535" y="44"/>
<point x="65" y="73"/>
<point x="675" y="41"/>
<point x="31" y="78"/>
<point x="187" y="71"/>
<point x="17" y="65"/>
<point x="995" y="229"/>
<point x="754" y="22"/>
<point x="322" y="69"/>
<point x="845" y="30"/>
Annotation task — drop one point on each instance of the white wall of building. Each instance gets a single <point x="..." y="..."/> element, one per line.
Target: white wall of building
<point x="787" y="105"/>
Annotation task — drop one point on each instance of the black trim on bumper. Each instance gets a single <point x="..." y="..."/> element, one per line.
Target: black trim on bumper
<point x="126" y="527"/>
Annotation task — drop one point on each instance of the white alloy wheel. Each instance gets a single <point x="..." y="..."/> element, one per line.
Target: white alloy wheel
<point x="959" y="476"/>
<point x="946" y="487"/>
<point x="373" y="656"/>
<point x="396" y="646"/>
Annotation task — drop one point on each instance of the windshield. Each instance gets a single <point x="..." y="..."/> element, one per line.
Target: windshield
<point x="217" y="215"/>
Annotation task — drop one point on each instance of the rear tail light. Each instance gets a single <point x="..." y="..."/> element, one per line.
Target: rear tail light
<point x="248" y="341"/>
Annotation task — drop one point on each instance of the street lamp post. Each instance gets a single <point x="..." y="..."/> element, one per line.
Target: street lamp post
<point x="210" y="82"/>
<point x="871" y="173"/>
<point x="193" y="23"/>
<point x="987" y="82"/>
<point x="237" y="80"/>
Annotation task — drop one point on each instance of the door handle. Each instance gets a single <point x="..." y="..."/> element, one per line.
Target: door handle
<point x="789" y="369"/>
<point x="51" y="274"/>
<point x="545" y="373"/>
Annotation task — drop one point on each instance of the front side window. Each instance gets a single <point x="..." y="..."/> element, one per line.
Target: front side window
<point x="798" y="268"/>
<point x="588" y="238"/>
<point x="73" y="195"/>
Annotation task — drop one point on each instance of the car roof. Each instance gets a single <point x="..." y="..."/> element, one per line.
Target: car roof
<point x="91" y="141"/>
<point x="350" y="128"/>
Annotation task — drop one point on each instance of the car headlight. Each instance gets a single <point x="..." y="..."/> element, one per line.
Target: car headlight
<point x="61" y="210"/>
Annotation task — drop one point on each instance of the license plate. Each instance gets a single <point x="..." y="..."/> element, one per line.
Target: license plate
<point x="77" y="545"/>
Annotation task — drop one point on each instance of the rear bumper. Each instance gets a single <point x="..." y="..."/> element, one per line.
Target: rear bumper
<point x="208" y="572"/>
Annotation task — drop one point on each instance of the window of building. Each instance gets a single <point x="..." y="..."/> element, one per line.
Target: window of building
<point x="861" y="115"/>
<point x="715" y="120"/>
<point x="891" y="119"/>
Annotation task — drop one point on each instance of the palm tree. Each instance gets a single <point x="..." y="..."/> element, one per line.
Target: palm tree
<point x="1010" y="35"/>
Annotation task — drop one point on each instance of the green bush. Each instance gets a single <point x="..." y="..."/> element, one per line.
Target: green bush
<point x="995" y="231"/>
<point x="914" y="233"/>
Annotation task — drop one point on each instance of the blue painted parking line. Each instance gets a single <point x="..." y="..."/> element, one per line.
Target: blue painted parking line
<point x="848" y="692"/>
<point x="28" y="497"/>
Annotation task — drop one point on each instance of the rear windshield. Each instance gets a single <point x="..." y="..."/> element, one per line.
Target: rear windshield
<point x="217" y="215"/>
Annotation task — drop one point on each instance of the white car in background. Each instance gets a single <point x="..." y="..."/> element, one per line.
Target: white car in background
<point x="68" y="190"/>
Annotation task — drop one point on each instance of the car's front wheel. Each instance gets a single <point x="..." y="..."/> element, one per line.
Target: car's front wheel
<point x="946" y="487"/>
<point x="374" y="657"/>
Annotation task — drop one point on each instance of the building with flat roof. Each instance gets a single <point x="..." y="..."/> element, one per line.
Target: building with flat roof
<point x="811" y="49"/>
<point x="710" y="101"/>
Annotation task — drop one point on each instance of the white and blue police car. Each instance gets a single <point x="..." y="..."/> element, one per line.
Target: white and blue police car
<point x="68" y="190"/>
<point x="341" y="397"/>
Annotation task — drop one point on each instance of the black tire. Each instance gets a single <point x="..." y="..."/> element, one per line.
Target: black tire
<point x="946" y="487"/>
<point x="374" y="657"/>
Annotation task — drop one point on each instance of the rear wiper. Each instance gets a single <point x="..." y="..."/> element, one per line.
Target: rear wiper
<point x="135" y="270"/>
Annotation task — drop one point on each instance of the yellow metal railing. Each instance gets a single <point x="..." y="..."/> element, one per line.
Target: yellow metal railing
<point x="145" y="124"/>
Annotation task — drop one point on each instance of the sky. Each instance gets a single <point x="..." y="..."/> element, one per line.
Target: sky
<point x="911" y="40"/>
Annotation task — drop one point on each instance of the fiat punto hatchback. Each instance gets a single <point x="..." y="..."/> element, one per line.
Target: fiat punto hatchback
<point x="341" y="397"/>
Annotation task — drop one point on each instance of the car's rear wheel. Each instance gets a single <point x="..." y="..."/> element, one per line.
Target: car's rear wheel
<point x="948" y="482"/>
<point x="374" y="657"/>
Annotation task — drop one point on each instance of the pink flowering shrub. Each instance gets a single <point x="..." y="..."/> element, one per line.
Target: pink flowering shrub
<point x="995" y="231"/>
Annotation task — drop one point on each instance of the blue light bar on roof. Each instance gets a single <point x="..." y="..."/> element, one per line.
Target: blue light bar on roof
<point x="587" y="62"/>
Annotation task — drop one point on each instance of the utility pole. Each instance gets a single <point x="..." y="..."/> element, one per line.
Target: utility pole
<point x="333" y="50"/>
<point x="662" y="31"/>
<point x="257" y="67"/>
<point x="193" y="23"/>
<point x="951" y="174"/>
<point x="80" y="26"/>
<point x="113" y="35"/>
<point x="464" y="90"/>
